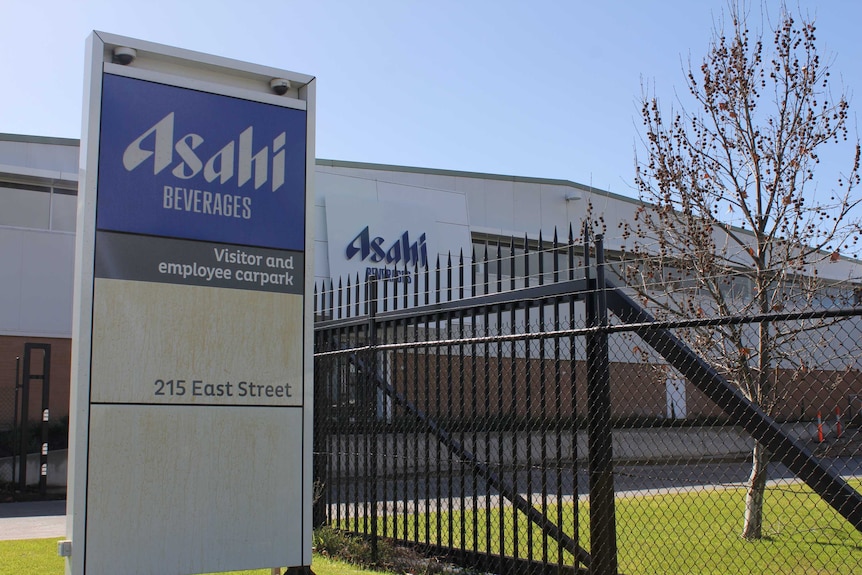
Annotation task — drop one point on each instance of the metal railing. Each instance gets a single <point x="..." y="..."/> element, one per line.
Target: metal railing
<point x="515" y="425"/>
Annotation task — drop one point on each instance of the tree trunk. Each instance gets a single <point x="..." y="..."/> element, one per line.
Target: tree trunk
<point x="753" y="524"/>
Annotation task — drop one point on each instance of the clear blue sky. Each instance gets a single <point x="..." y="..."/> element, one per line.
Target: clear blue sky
<point x="530" y="88"/>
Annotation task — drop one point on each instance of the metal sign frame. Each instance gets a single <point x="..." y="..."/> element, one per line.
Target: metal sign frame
<point x="191" y="408"/>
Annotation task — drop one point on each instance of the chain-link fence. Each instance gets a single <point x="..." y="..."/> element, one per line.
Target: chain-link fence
<point x="545" y="422"/>
<point x="10" y="442"/>
<point x="8" y="434"/>
<point x="26" y="431"/>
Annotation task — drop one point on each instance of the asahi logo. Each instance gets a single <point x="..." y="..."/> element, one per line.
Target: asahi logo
<point x="235" y="158"/>
<point x="377" y="250"/>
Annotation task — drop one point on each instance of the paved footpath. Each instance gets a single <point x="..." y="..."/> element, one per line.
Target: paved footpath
<point x="32" y="520"/>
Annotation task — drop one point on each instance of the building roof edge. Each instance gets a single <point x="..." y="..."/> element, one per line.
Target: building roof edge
<point x="487" y="176"/>
<point x="50" y="140"/>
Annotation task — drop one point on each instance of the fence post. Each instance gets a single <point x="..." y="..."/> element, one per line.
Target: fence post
<point x="46" y="387"/>
<point x="321" y="439"/>
<point x="603" y="547"/>
<point x="15" y="430"/>
<point x="371" y="409"/>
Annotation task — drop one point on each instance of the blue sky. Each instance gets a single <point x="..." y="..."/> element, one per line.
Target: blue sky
<point x="533" y="88"/>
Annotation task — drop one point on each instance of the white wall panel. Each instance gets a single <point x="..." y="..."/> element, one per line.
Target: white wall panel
<point x="40" y="156"/>
<point x="321" y="261"/>
<point x="11" y="252"/>
<point x="346" y="184"/>
<point x="446" y="206"/>
<point x="404" y="178"/>
<point x="440" y="181"/>
<point x="527" y="206"/>
<point x="319" y="215"/>
<point x="554" y="209"/>
<point x="499" y="205"/>
<point x="474" y="190"/>
<point x="36" y="282"/>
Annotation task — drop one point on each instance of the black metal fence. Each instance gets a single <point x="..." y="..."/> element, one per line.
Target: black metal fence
<point x="501" y="417"/>
<point x="24" y="435"/>
<point x="9" y="434"/>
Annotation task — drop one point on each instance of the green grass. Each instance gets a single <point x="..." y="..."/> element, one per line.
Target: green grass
<point x="699" y="534"/>
<point x="30" y="557"/>
<point x="695" y="533"/>
<point x="39" y="557"/>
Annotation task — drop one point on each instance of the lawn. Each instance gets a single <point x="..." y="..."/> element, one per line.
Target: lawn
<point x="39" y="557"/>
<point x="695" y="532"/>
<point x="699" y="534"/>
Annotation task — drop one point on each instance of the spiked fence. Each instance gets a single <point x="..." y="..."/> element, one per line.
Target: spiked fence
<point x="517" y="411"/>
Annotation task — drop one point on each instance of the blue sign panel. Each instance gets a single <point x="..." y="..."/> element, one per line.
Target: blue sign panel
<point x="180" y="163"/>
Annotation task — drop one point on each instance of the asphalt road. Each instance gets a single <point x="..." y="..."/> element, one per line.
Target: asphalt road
<point x="47" y="519"/>
<point x="32" y="520"/>
<point x="627" y="479"/>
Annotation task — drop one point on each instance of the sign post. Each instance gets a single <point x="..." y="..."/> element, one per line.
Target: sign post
<point x="192" y="365"/>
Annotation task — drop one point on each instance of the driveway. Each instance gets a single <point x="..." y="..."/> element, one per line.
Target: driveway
<point x="32" y="520"/>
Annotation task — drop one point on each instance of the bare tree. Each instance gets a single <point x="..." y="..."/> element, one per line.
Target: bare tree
<point x="735" y="221"/>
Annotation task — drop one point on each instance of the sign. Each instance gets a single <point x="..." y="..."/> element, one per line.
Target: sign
<point x="191" y="438"/>
<point x="677" y="407"/>
<point x="167" y="168"/>
<point x="395" y="241"/>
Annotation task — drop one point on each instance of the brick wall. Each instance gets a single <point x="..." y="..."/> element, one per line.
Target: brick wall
<point x="61" y="354"/>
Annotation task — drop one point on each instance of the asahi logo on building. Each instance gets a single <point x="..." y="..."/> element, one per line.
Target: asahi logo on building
<point x="402" y="254"/>
<point x="395" y="234"/>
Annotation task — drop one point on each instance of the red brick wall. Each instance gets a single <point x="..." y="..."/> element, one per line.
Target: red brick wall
<point x="637" y="389"/>
<point x="61" y="354"/>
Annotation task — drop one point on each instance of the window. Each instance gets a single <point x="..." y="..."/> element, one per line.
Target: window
<point x="64" y="210"/>
<point x="25" y="206"/>
<point x="37" y="206"/>
<point x="737" y="288"/>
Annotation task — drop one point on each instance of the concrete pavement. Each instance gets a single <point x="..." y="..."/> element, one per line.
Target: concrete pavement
<point x="32" y="520"/>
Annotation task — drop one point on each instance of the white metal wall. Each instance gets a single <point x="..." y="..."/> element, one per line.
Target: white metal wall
<point x="36" y="265"/>
<point x="36" y="282"/>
